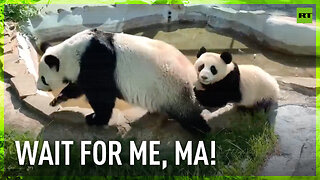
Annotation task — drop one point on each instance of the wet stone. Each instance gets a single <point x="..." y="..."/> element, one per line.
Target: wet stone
<point x="296" y="127"/>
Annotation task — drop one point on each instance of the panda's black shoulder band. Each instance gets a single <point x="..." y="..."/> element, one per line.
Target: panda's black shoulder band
<point x="96" y="77"/>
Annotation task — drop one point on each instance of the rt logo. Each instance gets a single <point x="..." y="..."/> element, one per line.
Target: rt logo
<point x="304" y="15"/>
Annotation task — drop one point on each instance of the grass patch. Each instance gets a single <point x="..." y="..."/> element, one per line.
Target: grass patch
<point x="240" y="150"/>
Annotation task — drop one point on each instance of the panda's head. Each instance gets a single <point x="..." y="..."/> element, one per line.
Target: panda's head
<point x="212" y="67"/>
<point x="51" y="76"/>
<point x="60" y="64"/>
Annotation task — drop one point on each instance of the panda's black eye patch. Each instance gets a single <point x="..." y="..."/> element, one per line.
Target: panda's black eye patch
<point x="200" y="67"/>
<point x="213" y="70"/>
<point x="66" y="81"/>
<point x="44" y="81"/>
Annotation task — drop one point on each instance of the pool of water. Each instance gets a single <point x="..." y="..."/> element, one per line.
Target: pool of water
<point x="189" y="40"/>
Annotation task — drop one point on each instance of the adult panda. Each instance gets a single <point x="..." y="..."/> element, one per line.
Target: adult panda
<point x="102" y="66"/>
<point x="221" y="81"/>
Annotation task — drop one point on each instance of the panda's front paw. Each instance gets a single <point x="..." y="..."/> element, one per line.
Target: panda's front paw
<point x="54" y="102"/>
<point x="198" y="86"/>
<point x="92" y="119"/>
<point x="58" y="100"/>
<point x="206" y="114"/>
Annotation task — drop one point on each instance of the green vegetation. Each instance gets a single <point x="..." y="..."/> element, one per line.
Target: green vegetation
<point x="1" y="44"/>
<point x="19" y="12"/>
<point x="240" y="150"/>
<point x="1" y="153"/>
<point x="318" y="125"/>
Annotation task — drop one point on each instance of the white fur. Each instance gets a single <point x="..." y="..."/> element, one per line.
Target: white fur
<point x="209" y="59"/>
<point x="255" y="84"/>
<point x="151" y="73"/>
<point x="69" y="53"/>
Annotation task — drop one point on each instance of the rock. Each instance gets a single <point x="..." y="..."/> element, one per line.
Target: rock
<point x="302" y="85"/>
<point x="76" y="115"/>
<point x="40" y="104"/>
<point x="71" y="115"/>
<point x="19" y="118"/>
<point x="15" y="69"/>
<point x="8" y="48"/>
<point x="57" y="131"/>
<point x="296" y="128"/>
<point x="12" y="27"/>
<point x="261" y="27"/>
<point x="302" y="81"/>
<point x="289" y="96"/>
<point x="11" y="57"/>
<point x="7" y="39"/>
<point x="155" y="126"/>
<point x="24" y="84"/>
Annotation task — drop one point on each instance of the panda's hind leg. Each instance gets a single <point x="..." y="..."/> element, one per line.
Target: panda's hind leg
<point x="263" y="105"/>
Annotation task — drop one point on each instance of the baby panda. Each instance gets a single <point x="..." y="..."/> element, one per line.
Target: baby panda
<point x="104" y="66"/>
<point x="221" y="81"/>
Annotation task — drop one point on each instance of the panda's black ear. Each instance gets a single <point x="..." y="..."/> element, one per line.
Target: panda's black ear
<point x="52" y="62"/>
<point x="44" y="46"/>
<point x="201" y="51"/>
<point x="226" y="57"/>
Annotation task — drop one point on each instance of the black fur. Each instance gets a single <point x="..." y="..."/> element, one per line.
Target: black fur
<point x="70" y="91"/>
<point x="96" y="77"/>
<point x="226" y="57"/>
<point x="191" y="120"/>
<point x="201" y="51"/>
<point x="221" y="92"/>
<point x="44" y="46"/>
<point x="52" y="62"/>
<point x="66" y="80"/>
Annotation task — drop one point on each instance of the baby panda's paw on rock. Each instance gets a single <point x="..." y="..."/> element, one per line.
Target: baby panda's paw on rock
<point x="92" y="119"/>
